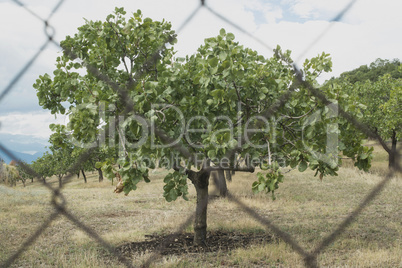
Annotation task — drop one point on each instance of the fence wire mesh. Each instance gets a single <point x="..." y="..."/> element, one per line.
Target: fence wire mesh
<point x="60" y="205"/>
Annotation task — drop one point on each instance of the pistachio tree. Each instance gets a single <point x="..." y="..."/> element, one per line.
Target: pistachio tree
<point x="217" y="109"/>
<point x="66" y="152"/>
<point x="384" y="110"/>
<point x="23" y="173"/>
<point x="381" y="103"/>
<point x="61" y="161"/>
<point x="43" y="166"/>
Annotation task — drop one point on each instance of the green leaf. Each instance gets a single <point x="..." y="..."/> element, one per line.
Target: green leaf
<point x="302" y="166"/>
<point x="173" y="194"/>
<point x="98" y="165"/>
<point x="230" y="36"/>
<point x="293" y="163"/>
<point x="261" y="187"/>
<point x="126" y="30"/>
<point x="223" y="55"/>
<point x="211" y="154"/>
<point x="232" y="144"/>
<point x="146" y="179"/>
<point x="213" y="61"/>
<point x="168" y="177"/>
<point x="363" y="156"/>
<point x="295" y="153"/>
<point x="217" y="93"/>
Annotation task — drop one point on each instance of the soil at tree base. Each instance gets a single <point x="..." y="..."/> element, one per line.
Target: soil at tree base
<point x="183" y="243"/>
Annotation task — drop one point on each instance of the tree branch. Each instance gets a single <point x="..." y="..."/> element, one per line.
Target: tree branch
<point x="250" y="169"/>
<point x="301" y="116"/>
<point x="122" y="46"/>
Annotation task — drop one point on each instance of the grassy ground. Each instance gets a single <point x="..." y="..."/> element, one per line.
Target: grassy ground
<point x="306" y="208"/>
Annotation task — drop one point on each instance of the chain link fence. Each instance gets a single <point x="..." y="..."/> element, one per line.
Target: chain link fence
<point x="60" y="205"/>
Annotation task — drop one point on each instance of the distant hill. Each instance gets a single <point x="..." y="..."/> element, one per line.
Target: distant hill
<point x="22" y="147"/>
<point x="20" y="156"/>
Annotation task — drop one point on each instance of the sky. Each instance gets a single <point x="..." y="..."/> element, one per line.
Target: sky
<point x="371" y="29"/>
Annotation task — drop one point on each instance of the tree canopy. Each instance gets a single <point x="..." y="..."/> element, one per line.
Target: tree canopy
<point x="196" y="114"/>
<point x="378" y="87"/>
<point x="373" y="71"/>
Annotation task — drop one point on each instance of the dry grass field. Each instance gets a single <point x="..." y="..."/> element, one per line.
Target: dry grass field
<point x="306" y="208"/>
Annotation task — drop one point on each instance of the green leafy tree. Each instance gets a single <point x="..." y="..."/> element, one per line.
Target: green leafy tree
<point x="380" y="100"/>
<point x="61" y="162"/>
<point x="2" y="170"/>
<point x="81" y="167"/>
<point x="63" y="148"/>
<point x="373" y="71"/>
<point x="215" y="110"/>
<point x="392" y="120"/>
<point x="62" y="159"/>
<point x="23" y="173"/>
<point x="42" y="166"/>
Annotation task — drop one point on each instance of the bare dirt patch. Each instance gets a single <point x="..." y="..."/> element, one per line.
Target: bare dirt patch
<point x="181" y="244"/>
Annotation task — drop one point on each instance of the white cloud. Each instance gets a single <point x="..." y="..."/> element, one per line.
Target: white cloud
<point x="269" y="11"/>
<point x="368" y="31"/>
<point x="317" y="9"/>
<point x="34" y="124"/>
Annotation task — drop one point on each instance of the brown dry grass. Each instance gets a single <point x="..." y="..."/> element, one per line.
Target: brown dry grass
<point x="306" y="208"/>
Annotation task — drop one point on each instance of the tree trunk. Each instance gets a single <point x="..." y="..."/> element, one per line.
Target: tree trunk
<point x="392" y="158"/>
<point x="78" y="174"/>
<point x="228" y="174"/>
<point x="223" y="189"/>
<point x="32" y="180"/>
<point x="60" y="182"/>
<point x="100" y="174"/>
<point x="83" y="174"/>
<point x="201" y="182"/>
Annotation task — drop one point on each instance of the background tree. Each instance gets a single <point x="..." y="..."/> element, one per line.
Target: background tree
<point x="23" y="174"/>
<point x="379" y="90"/>
<point x="70" y="151"/>
<point x="61" y="162"/>
<point x="196" y="114"/>
<point x="82" y="167"/>
<point x="62" y="153"/>
<point x="42" y="166"/>
<point x="2" y="178"/>
<point x="392" y="116"/>
<point x="373" y="71"/>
